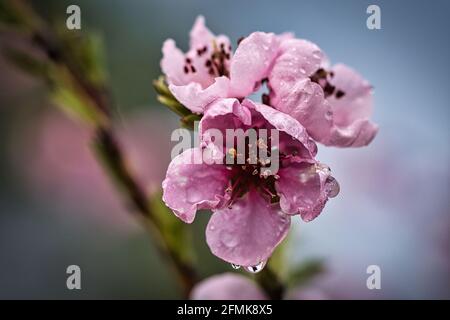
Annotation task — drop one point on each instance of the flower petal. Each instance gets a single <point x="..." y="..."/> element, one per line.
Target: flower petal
<point x="224" y="114"/>
<point x="251" y="62"/>
<point x="304" y="189"/>
<point x="305" y="102"/>
<point x="351" y="112"/>
<point x="359" y="134"/>
<point x="247" y="233"/>
<point x="195" y="98"/>
<point x="298" y="59"/>
<point x="227" y="286"/>
<point x="172" y="63"/>
<point x="285" y="123"/>
<point x="200" y="35"/>
<point x="184" y="186"/>
<point x="357" y="101"/>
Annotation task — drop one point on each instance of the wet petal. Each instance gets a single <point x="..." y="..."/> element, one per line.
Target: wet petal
<point x="200" y="35"/>
<point x="224" y="114"/>
<point x="286" y="124"/>
<point x="184" y="187"/>
<point x="298" y="59"/>
<point x="251" y="62"/>
<point x="195" y="98"/>
<point x="227" y="286"/>
<point x="247" y="233"/>
<point x="172" y="63"/>
<point x="304" y="189"/>
<point x="351" y="112"/>
<point x="305" y="102"/>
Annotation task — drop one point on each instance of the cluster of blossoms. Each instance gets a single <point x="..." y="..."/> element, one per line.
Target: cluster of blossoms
<point x="307" y="101"/>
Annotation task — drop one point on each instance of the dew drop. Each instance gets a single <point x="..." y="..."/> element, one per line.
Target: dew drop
<point x="257" y="268"/>
<point x="332" y="187"/>
<point x="235" y="266"/>
<point x="316" y="55"/>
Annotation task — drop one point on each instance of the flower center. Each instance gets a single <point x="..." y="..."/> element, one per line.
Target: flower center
<point x="321" y="77"/>
<point x="216" y="59"/>
<point x="217" y="63"/>
<point x="251" y="170"/>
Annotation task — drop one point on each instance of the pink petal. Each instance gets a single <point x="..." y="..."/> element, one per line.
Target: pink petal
<point x="224" y="114"/>
<point x="172" y="63"/>
<point x="357" y="103"/>
<point x="227" y="286"/>
<point x="251" y="62"/>
<point x="200" y="34"/>
<point x="352" y="127"/>
<point x="304" y="189"/>
<point x="184" y="188"/>
<point x="285" y="123"/>
<point x="298" y="59"/>
<point x="249" y="232"/>
<point x="359" y="134"/>
<point x="195" y="98"/>
<point x="304" y="101"/>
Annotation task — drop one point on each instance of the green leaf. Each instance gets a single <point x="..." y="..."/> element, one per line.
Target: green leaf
<point x="188" y="121"/>
<point x="177" y="234"/>
<point x="305" y="272"/>
<point x="73" y="100"/>
<point x="166" y="97"/>
<point x="278" y="261"/>
<point x="86" y="52"/>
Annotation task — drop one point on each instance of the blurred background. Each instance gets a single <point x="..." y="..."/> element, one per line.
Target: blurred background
<point x="58" y="209"/>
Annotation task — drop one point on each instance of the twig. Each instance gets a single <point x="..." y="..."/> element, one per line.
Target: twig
<point x="107" y="148"/>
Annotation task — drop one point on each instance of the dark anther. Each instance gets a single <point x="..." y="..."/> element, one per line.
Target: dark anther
<point x="193" y="69"/>
<point x="340" y="94"/>
<point x="227" y="56"/>
<point x="265" y="99"/>
<point x="208" y="63"/>
<point x="186" y="70"/>
<point x="188" y="61"/>
<point x="328" y="89"/>
<point x="240" y="40"/>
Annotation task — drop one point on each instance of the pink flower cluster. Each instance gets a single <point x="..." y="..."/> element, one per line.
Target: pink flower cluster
<point x="306" y="101"/>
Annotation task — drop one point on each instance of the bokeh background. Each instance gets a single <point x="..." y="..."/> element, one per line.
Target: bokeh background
<point x="57" y="208"/>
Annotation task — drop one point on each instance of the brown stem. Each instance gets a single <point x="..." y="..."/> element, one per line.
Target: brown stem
<point x="106" y="145"/>
<point x="110" y="153"/>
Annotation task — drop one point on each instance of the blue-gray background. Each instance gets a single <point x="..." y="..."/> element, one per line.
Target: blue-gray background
<point x="393" y="210"/>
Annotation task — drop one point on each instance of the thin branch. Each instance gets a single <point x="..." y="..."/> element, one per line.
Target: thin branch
<point x="107" y="148"/>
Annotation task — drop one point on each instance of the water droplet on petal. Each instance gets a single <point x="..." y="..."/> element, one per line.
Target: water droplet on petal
<point x="257" y="268"/>
<point x="235" y="266"/>
<point x="332" y="187"/>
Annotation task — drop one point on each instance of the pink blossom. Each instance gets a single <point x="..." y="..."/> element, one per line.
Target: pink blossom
<point x="334" y="104"/>
<point x="251" y="206"/>
<point x="227" y="286"/>
<point x="233" y="286"/>
<point x="209" y="70"/>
